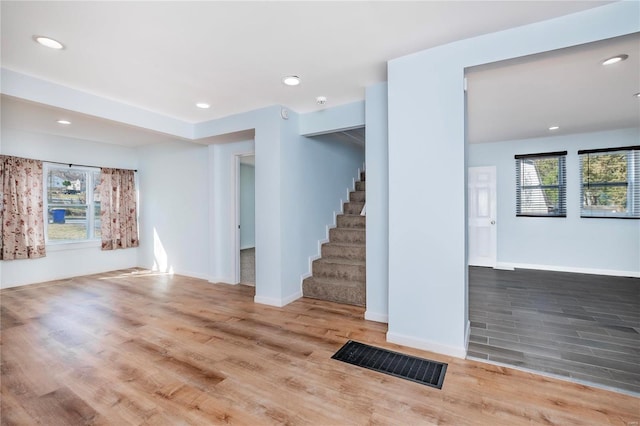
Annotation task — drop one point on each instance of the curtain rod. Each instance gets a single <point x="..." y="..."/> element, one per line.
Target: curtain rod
<point x="82" y="165"/>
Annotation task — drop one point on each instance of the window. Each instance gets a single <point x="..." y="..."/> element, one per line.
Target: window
<point x="72" y="204"/>
<point x="541" y="184"/>
<point x="610" y="182"/>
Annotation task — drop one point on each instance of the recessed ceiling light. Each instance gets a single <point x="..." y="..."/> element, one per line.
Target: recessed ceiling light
<point x="203" y="105"/>
<point x="637" y="95"/>
<point x="63" y="122"/>
<point x="291" y="80"/>
<point x="615" y="59"/>
<point x="554" y="127"/>
<point x="48" y="42"/>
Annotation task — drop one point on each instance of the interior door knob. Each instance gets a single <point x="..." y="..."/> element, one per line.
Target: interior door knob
<point x="493" y="222"/>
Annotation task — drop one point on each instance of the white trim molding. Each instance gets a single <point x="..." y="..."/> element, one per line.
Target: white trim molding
<point x="508" y="266"/>
<point x="279" y="303"/>
<point x="400" y="339"/>
<point x="376" y="316"/>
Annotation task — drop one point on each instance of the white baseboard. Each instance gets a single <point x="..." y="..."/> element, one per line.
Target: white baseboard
<point x="279" y="303"/>
<point x="503" y="267"/>
<point x="192" y="275"/>
<point x="508" y="266"/>
<point x="377" y="317"/>
<point x="458" y="352"/>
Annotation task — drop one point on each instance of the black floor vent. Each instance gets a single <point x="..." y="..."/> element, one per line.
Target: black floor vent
<point x="417" y="370"/>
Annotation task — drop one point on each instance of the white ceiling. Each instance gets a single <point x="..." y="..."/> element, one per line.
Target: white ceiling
<point x="29" y="116"/>
<point x="166" y="56"/>
<point x="570" y="88"/>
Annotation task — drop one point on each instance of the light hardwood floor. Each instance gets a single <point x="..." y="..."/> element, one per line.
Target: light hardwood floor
<point x="133" y="347"/>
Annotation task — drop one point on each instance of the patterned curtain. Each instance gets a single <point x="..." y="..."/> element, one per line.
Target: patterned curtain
<point x="21" y="209"/>
<point x="118" y="213"/>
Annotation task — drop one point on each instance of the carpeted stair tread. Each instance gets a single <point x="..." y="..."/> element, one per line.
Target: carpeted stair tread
<point x="345" y="250"/>
<point x="341" y="261"/>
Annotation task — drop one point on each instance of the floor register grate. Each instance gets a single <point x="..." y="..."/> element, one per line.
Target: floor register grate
<point x="423" y="371"/>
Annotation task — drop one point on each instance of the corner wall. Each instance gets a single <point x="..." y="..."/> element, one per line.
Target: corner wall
<point x="377" y="156"/>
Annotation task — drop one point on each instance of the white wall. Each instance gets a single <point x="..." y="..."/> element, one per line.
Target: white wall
<point x="174" y="208"/>
<point x="247" y="206"/>
<point x="317" y="174"/>
<point x="609" y="246"/>
<point x="222" y="163"/>
<point x="377" y="159"/>
<point x="64" y="261"/>
<point x="427" y="256"/>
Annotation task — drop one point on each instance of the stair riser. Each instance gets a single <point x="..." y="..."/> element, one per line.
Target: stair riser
<point x="338" y="271"/>
<point x="357" y="222"/>
<point x="342" y="252"/>
<point x="361" y="186"/>
<point x="353" y="208"/>
<point x="362" y="176"/>
<point x="357" y="196"/>
<point x="348" y="295"/>
<point x="345" y="235"/>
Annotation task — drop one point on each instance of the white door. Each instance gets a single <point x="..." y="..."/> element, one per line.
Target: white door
<point x="482" y="216"/>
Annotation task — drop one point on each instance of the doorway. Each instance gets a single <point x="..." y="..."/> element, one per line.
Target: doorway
<point x="246" y="244"/>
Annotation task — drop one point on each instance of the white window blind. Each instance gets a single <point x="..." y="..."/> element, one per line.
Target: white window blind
<point x="541" y="184"/>
<point x="610" y="182"/>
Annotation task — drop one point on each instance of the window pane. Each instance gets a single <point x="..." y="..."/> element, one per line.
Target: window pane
<point x="540" y="187"/>
<point x="96" y="204"/>
<point x="66" y="186"/>
<point x="67" y="223"/>
<point x="605" y="200"/>
<point x="96" y="222"/>
<point x="547" y="170"/>
<point x="600" y="168"/>
<point x="610" y="183"/>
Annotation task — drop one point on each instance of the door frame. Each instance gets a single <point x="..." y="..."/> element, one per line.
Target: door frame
<point x="236" y="213"/>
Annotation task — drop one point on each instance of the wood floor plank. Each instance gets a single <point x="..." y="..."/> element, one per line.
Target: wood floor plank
<point x="134" y="348"/>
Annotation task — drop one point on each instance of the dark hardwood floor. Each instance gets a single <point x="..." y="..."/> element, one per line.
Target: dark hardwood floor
<point x="137" y="348"/>
<point x="584" y="327"/>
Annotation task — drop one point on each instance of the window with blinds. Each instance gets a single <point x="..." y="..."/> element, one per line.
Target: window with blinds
<point x="541" y="185"/>
<point x="610" y="182"/>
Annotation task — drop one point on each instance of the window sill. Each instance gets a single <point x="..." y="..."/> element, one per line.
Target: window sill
<point x="72" y="245"/>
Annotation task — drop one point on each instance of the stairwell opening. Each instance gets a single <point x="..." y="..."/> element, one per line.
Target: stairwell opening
<point x="339" y="274"/>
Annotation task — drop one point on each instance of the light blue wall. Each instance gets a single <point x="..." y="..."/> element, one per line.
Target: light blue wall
<point x="247" y="206"/>
<point x="377" y="153"/>
<point x="174" y="213"/>
<point x="571" y="243"/>
<point x="427" y="169"/>
<point x="316" y="174"/>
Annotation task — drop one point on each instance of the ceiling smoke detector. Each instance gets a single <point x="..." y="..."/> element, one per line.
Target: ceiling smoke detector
<point x="321" y="100"/>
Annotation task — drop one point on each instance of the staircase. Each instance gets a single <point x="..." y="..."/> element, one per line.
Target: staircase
<point x="340" y="274"/>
